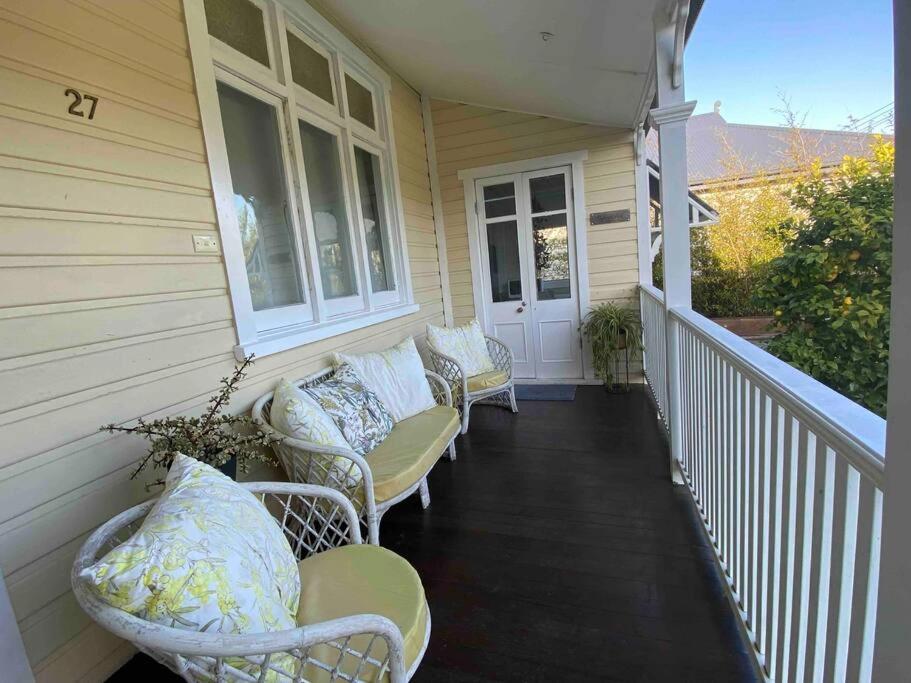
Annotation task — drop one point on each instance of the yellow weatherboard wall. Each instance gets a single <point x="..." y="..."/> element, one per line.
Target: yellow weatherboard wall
<point x="106" y="311"/>
<point x="468" y="137"/>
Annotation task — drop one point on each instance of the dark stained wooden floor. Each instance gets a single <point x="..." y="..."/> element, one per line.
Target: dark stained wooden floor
<point x="556" y="549"/>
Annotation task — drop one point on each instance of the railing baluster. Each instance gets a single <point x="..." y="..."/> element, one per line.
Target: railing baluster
<point x="791" y="499"/>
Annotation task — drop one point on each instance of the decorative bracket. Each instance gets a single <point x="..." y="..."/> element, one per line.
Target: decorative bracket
<point x="639" y="144"/>
<point x="683" y="13"/>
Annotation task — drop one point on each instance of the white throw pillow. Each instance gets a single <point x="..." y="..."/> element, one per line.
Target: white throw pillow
<point x="466" y="344"/>
<point x="396" y="376"/>
<point x="208" y="557"/>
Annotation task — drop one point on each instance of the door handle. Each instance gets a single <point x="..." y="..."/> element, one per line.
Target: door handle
<point x="521" y="308"/>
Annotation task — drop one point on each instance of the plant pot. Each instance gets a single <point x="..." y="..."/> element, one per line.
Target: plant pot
<point x="229" y="469"/>
<point x="616" y="388"/>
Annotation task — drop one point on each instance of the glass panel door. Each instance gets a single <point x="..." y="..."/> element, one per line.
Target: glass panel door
<point x="506" y="273"/>
<point x="554" y="299"/>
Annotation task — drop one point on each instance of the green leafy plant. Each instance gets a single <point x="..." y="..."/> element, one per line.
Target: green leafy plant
<point x="831" y="287"/>
<point x="213" y="438"/>
<point x="719" y="292"/>
<point x="611" y="329"/>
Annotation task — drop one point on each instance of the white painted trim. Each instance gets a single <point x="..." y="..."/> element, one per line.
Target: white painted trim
<point x="436" y="198"/>
<point x="523" y="165"/>
<point x="282" y="340"/>
<point x="580" y="231"/>
<point x="217" y="155"/>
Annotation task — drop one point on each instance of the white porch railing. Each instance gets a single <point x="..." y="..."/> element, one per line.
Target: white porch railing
<point x="654" y="354"/>
<point x="787" y="477"/>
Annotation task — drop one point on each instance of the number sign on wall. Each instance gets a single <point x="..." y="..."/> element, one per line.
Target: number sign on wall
<point x="76" y="106"/>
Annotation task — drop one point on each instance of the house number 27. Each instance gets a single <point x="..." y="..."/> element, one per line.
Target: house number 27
<point x="78" y="99"/>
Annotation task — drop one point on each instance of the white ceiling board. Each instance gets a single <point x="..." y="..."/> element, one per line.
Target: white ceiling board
<point x="490" y="52"/>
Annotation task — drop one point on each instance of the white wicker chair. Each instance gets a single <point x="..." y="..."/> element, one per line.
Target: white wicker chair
<point x="314" y="519"/>
<point x="503" y="394"/>
<point x="308" y="462"/>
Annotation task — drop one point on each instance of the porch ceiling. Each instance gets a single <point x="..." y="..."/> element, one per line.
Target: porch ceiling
<point x="490" y="53"/>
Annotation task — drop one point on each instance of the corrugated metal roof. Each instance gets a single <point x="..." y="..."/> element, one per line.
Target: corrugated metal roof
<point x="710" y="141"/>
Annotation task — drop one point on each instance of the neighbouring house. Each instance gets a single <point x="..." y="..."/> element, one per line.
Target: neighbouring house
<point x="727" y="157"/>
<point x="184" y="183"/>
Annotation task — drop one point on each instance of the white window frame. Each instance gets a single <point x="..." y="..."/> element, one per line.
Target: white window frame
<point x="393" y="296"/>
<point x="271" y="318"/>
<point x="265" y="332"/>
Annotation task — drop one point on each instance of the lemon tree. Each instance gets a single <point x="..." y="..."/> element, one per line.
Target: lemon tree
<point x="830" y="288"/>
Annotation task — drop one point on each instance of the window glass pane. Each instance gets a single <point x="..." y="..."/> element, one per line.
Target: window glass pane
<point x="551" y="244"/>
<point x="330" y="220"/>
<point x="239" y="24"/>
<point x="255" y="160"/>
<point x="503" y="251"/>
<point x="548" y="193"/>
<point x="360" y="102"/>
<point x="309" y="68"/>
<point x="369" y="183"/>
<point x="500" y="200"/>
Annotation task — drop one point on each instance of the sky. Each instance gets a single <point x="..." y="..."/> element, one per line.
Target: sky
<point x="831" y="58"/>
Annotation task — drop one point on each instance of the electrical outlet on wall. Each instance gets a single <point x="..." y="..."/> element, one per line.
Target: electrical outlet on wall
<point x="205" y="244"/>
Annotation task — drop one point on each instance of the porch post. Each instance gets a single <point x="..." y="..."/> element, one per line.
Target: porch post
<point x="670" y="119"/>
<point x="892" y="656"/>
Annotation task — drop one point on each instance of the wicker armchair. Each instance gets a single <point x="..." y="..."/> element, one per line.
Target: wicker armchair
<point x="467" y="391"/>
<point x="312" y="463"/>
<point x="359" y="647"/>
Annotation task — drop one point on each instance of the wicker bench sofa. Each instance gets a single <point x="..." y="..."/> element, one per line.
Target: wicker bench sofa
<point x="390" y="473"/>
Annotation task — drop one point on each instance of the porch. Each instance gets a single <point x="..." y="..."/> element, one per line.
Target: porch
<point x="556" y="548"/>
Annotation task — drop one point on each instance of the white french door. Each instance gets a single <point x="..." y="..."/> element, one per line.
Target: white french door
<point x="529" y="279"/>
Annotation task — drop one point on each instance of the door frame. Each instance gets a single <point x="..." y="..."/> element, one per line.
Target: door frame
<point x="580" y="232"/>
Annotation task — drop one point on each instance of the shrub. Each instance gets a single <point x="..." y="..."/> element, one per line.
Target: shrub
<point x="830" y="289"/>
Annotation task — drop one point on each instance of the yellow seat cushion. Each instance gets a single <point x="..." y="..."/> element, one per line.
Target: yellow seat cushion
<point x="487" y="380"/>
<point x="410" y="450"/>
<point x="362" y="579"/>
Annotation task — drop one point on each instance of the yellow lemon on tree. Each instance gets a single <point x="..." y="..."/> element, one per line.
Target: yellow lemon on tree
<point x="854" y="255"/>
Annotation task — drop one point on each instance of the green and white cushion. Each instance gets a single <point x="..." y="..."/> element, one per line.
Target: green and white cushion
<point x="396" y="376"/>
<point x="466" y="344"/>
<point x="208" y="557"/>
<point x="298" y="415"/>
<point x="360" y="416"/>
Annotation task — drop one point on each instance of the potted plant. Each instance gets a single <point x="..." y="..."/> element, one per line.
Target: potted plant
<point x="227" y="442"/>
<point x="612" y="329"/>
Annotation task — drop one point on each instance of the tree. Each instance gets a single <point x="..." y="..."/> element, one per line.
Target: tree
<point x="831" y="286"/>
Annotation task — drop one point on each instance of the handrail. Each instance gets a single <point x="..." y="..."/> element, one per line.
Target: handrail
<point x="653" y="292"/>
<point x="856" y="433"/>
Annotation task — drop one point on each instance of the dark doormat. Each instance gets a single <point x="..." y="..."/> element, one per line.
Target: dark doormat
<point x="545" y="392"/>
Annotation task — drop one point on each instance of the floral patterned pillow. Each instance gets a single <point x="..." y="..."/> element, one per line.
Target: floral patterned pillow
<point x="360" y="416"/>
<point x="297" y="414"/>
<point x="466" y="344"/>
<point x="208" y="557"/>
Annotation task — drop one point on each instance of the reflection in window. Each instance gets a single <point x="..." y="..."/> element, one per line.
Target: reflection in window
<point x="548" y="193"/>
<point x="503" y="252"/>
<point x="255" y="161"/>
<point x="500" y="200"/>
<point x="330" y="220"/>
<point x="551" y="245"/>
<point x="374" y="215"/>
